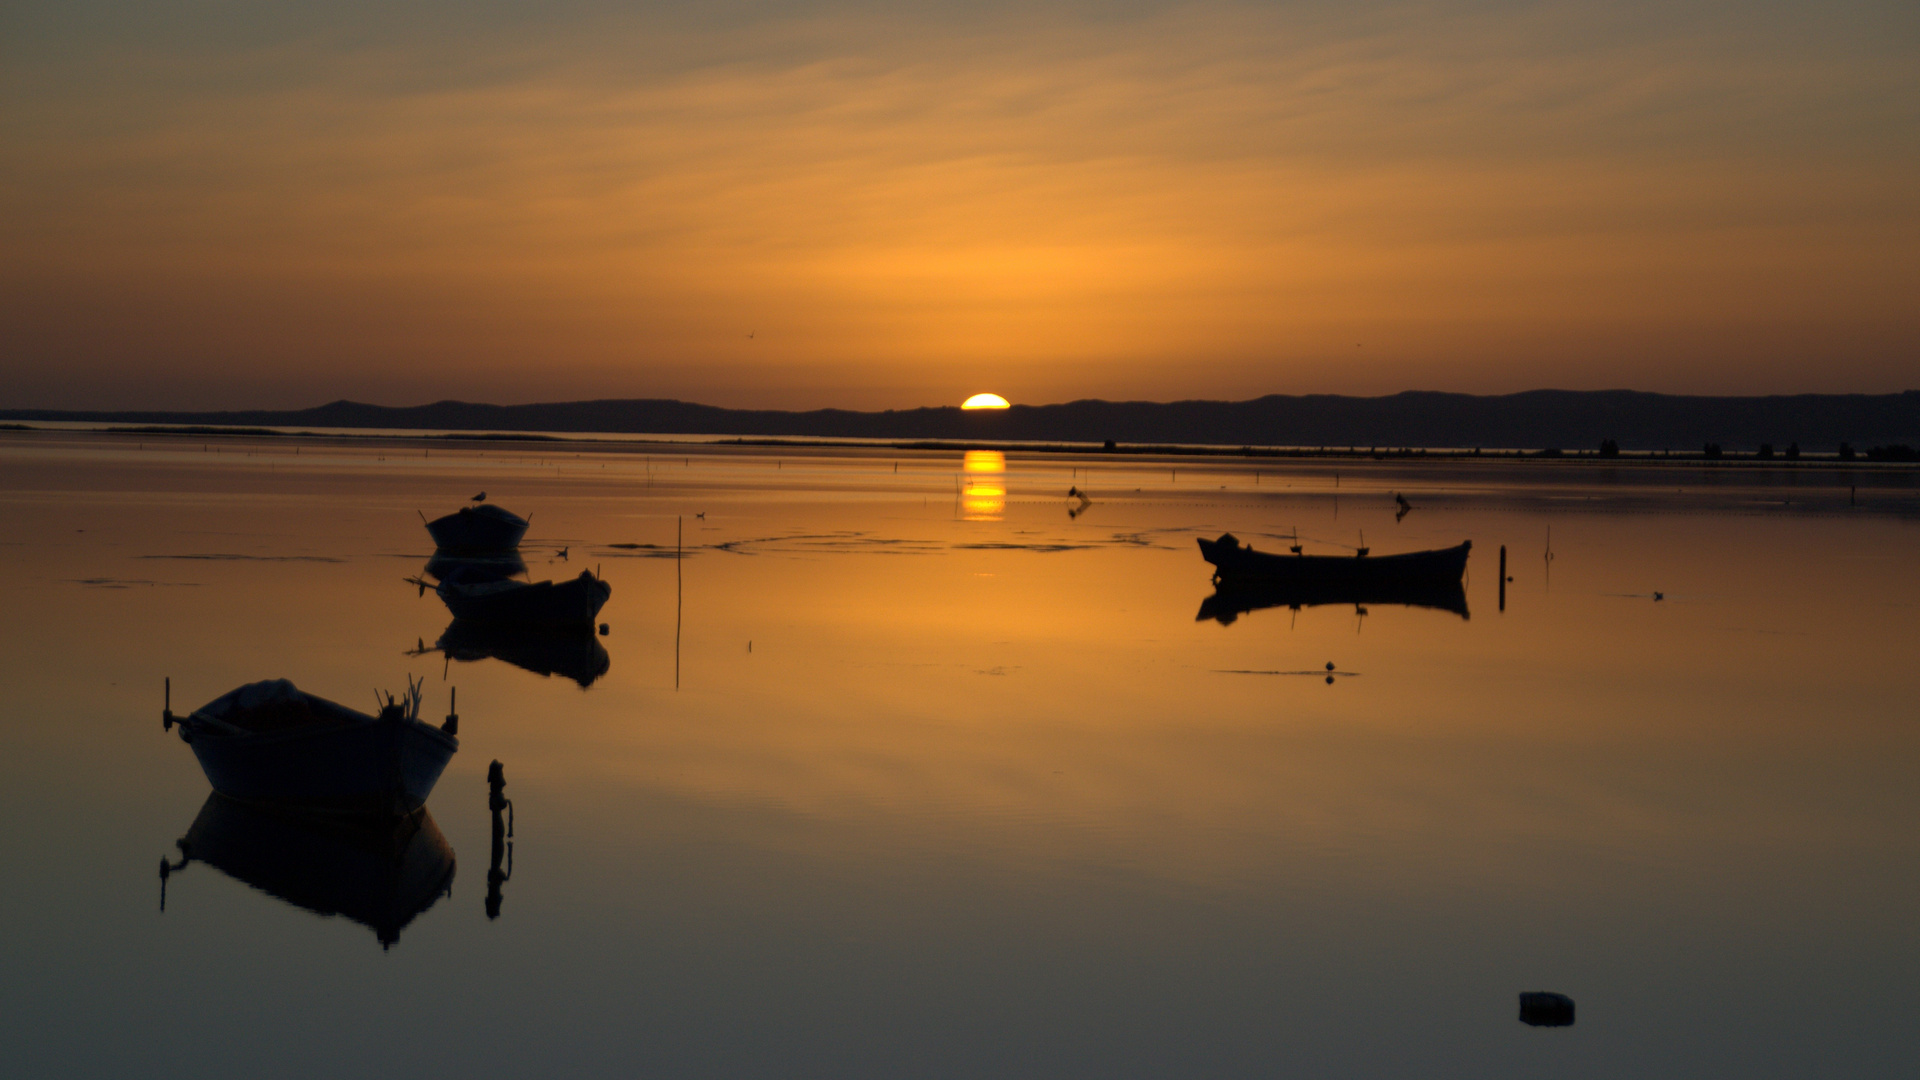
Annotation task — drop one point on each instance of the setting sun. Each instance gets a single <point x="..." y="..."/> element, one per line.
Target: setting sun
<point x="984" y="401"/>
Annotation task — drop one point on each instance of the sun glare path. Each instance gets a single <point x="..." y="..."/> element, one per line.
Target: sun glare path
<point x="984" y="401"/>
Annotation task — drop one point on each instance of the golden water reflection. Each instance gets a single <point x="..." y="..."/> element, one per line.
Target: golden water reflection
<point x="983" y="485"/>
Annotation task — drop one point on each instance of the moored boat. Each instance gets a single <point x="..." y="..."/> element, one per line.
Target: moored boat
<point x="545" y="603"/>
<point x="274" y="744"/>
<point x="1234" y="561"/>
<point x="481" y="528"/>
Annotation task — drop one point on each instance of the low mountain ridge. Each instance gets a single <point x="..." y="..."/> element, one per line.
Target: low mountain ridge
<point x="1535" y="419"/>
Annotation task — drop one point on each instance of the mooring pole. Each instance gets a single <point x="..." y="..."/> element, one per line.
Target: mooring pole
<point x="1503" y="577"/>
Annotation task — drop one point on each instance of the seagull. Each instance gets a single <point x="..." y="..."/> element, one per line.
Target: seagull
<point x="563" y="553"/>
<point x="482" y="497"/>
<point x="702" y="515"/>
<point x="750" y="334"/>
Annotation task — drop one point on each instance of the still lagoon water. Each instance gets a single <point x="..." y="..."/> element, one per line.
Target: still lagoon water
<point x="910" y="765"/>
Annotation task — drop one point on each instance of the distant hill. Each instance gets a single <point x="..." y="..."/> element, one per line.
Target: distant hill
<point x="1537" y="419"/>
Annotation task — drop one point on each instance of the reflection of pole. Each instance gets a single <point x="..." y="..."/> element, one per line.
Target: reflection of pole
<point x="1503" y="577"/>
<point x="502" y="836"/>
<point x="679" y="594"/>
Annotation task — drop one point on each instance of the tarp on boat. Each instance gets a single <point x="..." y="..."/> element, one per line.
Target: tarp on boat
<point x="276" y="705"/>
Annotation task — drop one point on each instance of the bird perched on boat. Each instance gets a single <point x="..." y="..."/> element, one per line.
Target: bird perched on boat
<point x="480" y="498"/>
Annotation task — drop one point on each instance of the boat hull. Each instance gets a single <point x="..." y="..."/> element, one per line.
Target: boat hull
<point x="572" y="603"/>
<point x="469" y="531"/>
<point x="376" y="768"/>
<point x="1233" y="561"/>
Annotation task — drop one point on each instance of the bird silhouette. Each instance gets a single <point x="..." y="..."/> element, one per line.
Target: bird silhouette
<point x="480" y="498"/>
<point x="563" y="553"/>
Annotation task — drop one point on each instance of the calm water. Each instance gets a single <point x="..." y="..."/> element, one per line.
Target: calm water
<point x="904" y="771"/>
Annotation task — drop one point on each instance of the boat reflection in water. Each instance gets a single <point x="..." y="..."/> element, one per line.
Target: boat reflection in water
<point x="570" y="651"/>
<point x="1232" y="599"/>
<point x="497" y="801"/>
<point x="443" y="564"/>
<point x="379" y="873"/>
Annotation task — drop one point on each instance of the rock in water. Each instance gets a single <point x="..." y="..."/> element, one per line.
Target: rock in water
<point x="1541" y="1009"/>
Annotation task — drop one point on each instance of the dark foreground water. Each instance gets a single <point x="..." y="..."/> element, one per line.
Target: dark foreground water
<point x="910" y="773"/>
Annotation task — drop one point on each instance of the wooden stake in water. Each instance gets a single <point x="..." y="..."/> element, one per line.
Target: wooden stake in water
<point x="679" y="594"/>
<point x="1503" y="577"/>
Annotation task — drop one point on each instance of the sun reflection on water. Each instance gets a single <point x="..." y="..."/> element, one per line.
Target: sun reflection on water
<point x="983" y="491"/>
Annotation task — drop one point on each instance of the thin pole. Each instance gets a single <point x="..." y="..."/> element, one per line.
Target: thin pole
<point x="1503" y="577"/>
<point x="679" y="594"/>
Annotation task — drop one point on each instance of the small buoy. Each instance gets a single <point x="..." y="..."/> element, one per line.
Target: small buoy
<point x="1659" y="596"/>
<point x="1329" y="680"/>
<point x="605" y="629"/>
<point x="1329" y="665"/>
<point x="1542" y="1009"/>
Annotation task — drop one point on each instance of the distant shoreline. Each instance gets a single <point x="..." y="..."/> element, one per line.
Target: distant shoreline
<point x="641" y="442"/>
<point x="1573" y="422"/>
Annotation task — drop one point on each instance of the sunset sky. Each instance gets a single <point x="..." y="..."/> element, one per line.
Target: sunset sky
<point x="870" y="205"/>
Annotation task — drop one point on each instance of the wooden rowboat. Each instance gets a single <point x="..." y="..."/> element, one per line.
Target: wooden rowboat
<point x="473" y="529"/>
<point x="273" y="744"/>
<point x="546" y="603"/>
<point x="1234" y="561"/>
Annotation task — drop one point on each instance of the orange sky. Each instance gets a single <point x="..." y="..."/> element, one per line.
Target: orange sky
<point x="222" y="206"/>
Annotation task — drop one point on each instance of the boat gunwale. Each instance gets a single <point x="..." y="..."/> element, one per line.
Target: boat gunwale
<point x="207" y="725"/>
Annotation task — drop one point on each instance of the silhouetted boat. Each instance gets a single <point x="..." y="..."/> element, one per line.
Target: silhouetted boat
<point x="478" y="528"/>
<point x="1231" y="599"/>
<point x="1235" y="561"/>
<point x="493" y="567"/>
<point x="379" y="874"/>
<point x="546" y="603"/>
<point x="570" y="651"/>
<point x="272" y="743"/>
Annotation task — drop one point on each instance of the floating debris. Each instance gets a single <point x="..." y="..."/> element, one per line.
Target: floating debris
<point x="1542" y="1009"/>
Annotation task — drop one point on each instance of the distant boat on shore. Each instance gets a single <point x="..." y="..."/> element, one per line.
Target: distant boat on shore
<point x="476" y="529"/>
<point x="1237" y="562"/>
<point x="273" y="744"/>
